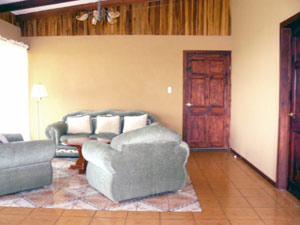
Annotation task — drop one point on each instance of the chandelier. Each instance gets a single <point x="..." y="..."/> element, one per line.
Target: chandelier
<point x="99" y="15"/>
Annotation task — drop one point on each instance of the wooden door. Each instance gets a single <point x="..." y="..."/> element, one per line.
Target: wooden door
<point x="294" y="166"/>
<point x="206" y="99"/>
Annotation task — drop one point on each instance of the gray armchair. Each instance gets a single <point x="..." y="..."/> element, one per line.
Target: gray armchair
<point x="139" y="163"/>
<point x="25" y="165"/>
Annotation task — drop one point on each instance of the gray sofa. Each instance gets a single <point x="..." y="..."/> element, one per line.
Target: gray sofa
<point x="58" y="131"/>
<point x="139" y="163"/>
<point x="25" y="165"/>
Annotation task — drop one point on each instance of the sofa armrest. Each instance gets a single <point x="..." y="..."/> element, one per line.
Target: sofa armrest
<point x="18" y="154"/>
<point x="55" y="130"/>
<point x="100" y="154"/>
<point x="148" y="134"/>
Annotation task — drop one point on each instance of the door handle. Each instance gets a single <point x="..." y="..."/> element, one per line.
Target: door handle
<point x="188" y="104"/>
<point x="291" y="114"/>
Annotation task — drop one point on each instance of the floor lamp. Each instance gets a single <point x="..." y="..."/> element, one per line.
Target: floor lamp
<point x="38" y="91"/>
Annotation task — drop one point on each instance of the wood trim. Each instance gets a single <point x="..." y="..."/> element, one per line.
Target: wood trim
<point x="284" y="107"/>
<point x="29" y="4"/>
<point x="228" y="115"/>
<point x="253" y="167"/>
<point x="78" y="8"/>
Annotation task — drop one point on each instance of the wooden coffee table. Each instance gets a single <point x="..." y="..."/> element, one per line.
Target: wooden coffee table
<point x="81" y="163"/>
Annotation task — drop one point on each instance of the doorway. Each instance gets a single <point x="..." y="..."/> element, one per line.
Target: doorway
<point x="206" y="99"/>
<point x="288" y="163"/>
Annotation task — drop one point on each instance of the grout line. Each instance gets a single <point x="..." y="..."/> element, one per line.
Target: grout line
<point x="125" y="221"/>
<point x="92" y="217"/>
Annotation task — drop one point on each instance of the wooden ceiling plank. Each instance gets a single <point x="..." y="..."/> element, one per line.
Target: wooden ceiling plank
<point x="29" y="4"/>
<point x="77" y="8"/>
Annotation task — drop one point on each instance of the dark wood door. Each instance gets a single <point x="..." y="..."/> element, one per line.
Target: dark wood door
<point x="206" y="99"/>
<point x="294" y="167"/>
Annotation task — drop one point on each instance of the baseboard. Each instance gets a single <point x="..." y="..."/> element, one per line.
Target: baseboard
<point x="254" y="167"/>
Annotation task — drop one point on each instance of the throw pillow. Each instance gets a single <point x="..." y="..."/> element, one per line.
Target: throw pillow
<point x="3" y="139"/>
<point x="134" y="122"/>
<point x="79" y="124"/>
<point x="106" y="124"/>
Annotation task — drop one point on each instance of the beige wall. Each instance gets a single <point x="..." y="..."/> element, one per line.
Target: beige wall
<point x="255" y="79"/>
<point x="117" y="72"/>
<point x="9" y="31"/>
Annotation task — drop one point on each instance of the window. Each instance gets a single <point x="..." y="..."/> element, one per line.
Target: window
<point x="14" y="115"/>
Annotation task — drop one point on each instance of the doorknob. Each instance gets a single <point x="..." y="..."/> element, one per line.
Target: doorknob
<point x="291" y="114"/>
<point x="188" y="104"/>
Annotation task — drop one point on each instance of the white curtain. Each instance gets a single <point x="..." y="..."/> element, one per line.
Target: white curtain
<point x="14" y="112"/>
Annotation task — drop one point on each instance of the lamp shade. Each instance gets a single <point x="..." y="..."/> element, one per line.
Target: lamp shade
<point x="39" y="91"/>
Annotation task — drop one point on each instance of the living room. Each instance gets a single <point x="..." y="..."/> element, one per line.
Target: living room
<point x="145" y="72"/>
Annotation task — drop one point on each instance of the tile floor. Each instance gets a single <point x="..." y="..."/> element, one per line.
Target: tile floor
<point x="229" y="191"/>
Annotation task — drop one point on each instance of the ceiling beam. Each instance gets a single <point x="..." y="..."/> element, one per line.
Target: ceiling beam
<point x="29" y="4"/>
<point x="77" y="8"/>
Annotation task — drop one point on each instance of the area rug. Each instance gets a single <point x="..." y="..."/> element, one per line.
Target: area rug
<point x="70" y="190"/>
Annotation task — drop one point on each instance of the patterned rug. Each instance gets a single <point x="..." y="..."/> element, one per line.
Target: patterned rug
<point x="70" y="190"/>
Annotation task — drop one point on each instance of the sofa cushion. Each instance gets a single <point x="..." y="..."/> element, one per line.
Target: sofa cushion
<point x="3" y="139"/>
<point x="134" y="122"/>
<point x="148" y="134"/>
<point x="109" y="136"/>
<point x="79" y="125"/>
<point x="70" y="136"/>
<point x="107" y="124"/>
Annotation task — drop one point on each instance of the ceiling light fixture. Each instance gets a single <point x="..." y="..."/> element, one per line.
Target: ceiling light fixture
<point x="99" y="15"/>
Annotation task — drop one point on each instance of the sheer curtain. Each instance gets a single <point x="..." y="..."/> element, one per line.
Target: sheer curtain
<point x="14" y="112"/>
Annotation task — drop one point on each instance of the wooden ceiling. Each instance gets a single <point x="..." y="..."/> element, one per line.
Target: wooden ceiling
<point x="137" y="17"/>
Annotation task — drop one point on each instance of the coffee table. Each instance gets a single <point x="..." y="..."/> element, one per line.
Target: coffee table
<point x="81" y="163"/>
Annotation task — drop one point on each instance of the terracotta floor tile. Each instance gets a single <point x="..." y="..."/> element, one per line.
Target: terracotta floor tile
<point x="246" y="184"/>
<point x="176" y="215"/>
<point x="46" y="212"/>
<point x="79" y="213"/>
<point x="262" y="202"/>
<point x="209" y="203"/>
<point x="112" y="214"/>
<point x="108" y="221"/>
<point x="241" y="214"/>
<point x="143" y="221"/>
<point x="175" y="222"/>
<point x="73" y="220"/>
<point x="40" y="220"/>
<point x="280" y="222"/>
<point x="210" y="214"/>
<point x="293" y="212"/>
<point x="144" y="215"/>
<point x="15" y="211"/>
<point x="246" y="222"/>
<point x="212" y="222"/>
<point x="253" y="192"/>
<point x="231" y="192"/>
<point x="11" y="219"/>
<point x="272" y="213"/>
<point x="234" y="202"/>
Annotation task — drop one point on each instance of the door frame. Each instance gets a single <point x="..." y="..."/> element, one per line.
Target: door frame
<point x="184" y="125"/>
<point x="284" y="101"/>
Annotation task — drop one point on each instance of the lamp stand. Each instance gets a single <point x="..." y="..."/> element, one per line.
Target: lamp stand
<point x="37" y="118"/>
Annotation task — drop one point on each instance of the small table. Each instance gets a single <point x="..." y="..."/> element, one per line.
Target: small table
<point x="81" y="163"/>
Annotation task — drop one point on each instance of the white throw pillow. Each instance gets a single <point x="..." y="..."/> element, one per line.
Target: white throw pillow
<point x="79" y="124"/>
<point x="106" y="124"/>
<point x="3" y="139"/>
<point x="134" y="122"/>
